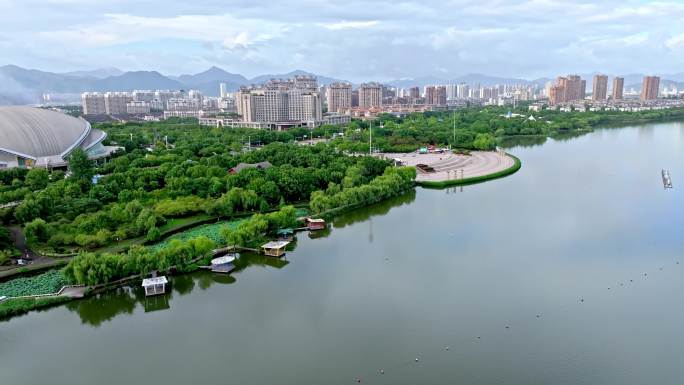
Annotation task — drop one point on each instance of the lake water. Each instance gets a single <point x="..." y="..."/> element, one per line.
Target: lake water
<point x="508" y="261"/>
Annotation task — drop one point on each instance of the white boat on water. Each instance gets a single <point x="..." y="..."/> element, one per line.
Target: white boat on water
<point x="226" y="259"/>
<point x="667" y="180"/>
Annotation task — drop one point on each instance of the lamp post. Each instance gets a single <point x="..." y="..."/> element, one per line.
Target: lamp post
<point x="454" y="127"/>
<point x="370" y="139"/>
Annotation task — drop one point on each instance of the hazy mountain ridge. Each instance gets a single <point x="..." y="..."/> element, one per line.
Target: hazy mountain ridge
<point x="26" y="86"/>
<point x="99" y="73"/>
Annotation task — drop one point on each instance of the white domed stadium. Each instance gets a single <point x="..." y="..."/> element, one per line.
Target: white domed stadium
<point x="36" y="137"/>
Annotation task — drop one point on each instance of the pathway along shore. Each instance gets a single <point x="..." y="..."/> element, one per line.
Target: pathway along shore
<point x="450" y="169"/>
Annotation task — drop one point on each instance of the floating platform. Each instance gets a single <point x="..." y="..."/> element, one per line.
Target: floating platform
<point x="275" y="248"/>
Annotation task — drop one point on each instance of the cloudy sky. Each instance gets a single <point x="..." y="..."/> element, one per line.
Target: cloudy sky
<point x="351" y="39"/>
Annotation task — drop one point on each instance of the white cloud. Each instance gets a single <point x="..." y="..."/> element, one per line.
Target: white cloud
<point x="676" y="42"/>
<point x="528" y="38"/>
<point x="125" y="28"/>
<point x="350" y="25"/>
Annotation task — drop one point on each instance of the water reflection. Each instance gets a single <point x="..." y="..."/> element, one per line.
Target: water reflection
<point x="103" y="307"/>
<point x="567" y="136"/>
<point x="100" y="308"/>
<point x="156" y="303"/>
<point x="377" y="209"/>
<point x="183" y="284"/>
<point x="582" y="216"/>
<point x="522" y="141"/>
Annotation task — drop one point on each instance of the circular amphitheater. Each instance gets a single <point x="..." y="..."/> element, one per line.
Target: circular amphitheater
<point x="435" y="167"/>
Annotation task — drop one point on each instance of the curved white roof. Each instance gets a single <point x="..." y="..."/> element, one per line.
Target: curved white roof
<point x="37" y="133"/>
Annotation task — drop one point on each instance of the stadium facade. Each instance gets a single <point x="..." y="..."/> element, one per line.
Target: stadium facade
<point x="36" y="137"/>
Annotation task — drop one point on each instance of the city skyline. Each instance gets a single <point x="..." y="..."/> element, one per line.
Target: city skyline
<point x="343" y="39"/>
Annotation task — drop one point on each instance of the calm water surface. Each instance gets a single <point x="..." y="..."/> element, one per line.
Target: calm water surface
<point x="409" y="277"/>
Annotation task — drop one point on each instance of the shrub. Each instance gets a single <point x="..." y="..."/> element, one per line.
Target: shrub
<point x="36" y="231"/>
<point x="180" y="207"/>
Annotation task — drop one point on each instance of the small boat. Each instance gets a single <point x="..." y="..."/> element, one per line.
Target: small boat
<point x="226" y="259"/>
<point x="667" y="180"/>
<point x="223" y="264"/>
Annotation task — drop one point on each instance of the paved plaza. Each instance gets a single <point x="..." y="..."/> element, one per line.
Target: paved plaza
<point x="452" y="166"/>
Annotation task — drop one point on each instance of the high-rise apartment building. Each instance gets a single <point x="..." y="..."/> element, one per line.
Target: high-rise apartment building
<point x="599" y="88"/>
<point x="281" y="101"/>
<point x="452" y="91"/>
<point x="339" y="97"/>
<point x="567" y="89"/>
<point x="93" y="103"/>
<point x="223" y="90"/>
<point x="435" y="95"/>
<point x="163" y="96"/>
<point x="414" y="94"/>
<point x="115" y="102"/>
<point x="370" y="95"/>
<point x="138" y="107"/>
<point x="650" y="88"/>
<point x="143" y="95"/>
<point x="462" y="91"/>
<point x="618" y="87"/>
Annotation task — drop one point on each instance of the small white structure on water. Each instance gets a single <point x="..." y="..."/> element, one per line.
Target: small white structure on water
<point x="155" y="285"/>
<point x="275" y="248"/>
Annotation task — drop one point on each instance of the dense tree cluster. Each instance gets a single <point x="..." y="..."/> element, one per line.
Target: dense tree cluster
<point x="89" y="268"/>
<point x="94" y="269"/>
<point x="258" y="225"/>
<point x="177" y="169"/>
<point x="480" y="128"/>
<point x="6" y="245"/>
<point x="394" y="181"/>
<point x="152" y="182"/>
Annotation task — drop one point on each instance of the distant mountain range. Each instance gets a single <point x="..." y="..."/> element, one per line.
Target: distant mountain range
<point x="26" y="86"/>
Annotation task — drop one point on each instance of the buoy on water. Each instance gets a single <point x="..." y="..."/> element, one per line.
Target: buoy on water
<point x="382" y="371"/>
